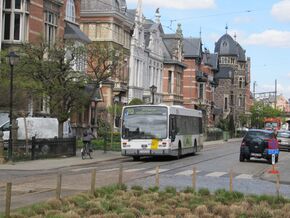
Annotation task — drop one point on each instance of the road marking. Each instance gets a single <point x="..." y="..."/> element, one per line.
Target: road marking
<point x="186" y="173"/>
<point x="216" y="174"/>
<point x="133" y="170"/>
<point x="154" y="171"/>
<point x="82" y="169"/>
<point x="109" y="170"/>
<point x="244" y="176"/>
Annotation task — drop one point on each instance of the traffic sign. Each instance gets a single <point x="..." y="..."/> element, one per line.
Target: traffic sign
<point x="273" y="151"/>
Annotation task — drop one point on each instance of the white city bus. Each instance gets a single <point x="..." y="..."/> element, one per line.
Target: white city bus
<point x="160" y="130"/>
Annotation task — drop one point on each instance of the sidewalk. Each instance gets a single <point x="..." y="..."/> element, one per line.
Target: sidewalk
<point x="98" y="156"/>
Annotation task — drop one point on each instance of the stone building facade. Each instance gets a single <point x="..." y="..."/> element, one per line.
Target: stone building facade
<point x="111" y="23"/>
<point x="233" y="92"/>
<point x="146" y="58"/>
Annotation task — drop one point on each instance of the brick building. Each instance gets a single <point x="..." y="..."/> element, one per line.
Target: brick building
<point x="199" y="84"/>
<point x="173" y="68"/>
<point x="30" y="21"/>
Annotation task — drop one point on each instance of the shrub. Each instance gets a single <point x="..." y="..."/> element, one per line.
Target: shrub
<point x="204" y="192"/>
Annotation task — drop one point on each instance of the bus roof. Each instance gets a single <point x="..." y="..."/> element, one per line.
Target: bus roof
<point x="173" y="109"/>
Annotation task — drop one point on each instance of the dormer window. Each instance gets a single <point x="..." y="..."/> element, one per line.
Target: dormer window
<point x="70" y="11"/>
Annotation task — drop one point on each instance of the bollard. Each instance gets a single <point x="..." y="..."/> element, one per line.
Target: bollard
<point x="121" y="174"/>
<point x="194" y="178"/>
<point x="231" y="180"/>
<point x="157" y="177"/>
<point x="58" y="186"/>
<point x="278" y="185"/>
<point x="93" y="181"/>
<point x="8" y="199"/>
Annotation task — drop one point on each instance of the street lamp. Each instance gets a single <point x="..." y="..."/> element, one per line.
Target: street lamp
<point x="153" y="90"/>
<point x="12" y="59"/>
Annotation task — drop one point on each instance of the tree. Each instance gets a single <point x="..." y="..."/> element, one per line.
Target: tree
<point x="50" y="68"/>
<point x="260" y="111"/>
<point x="103" y="60"/>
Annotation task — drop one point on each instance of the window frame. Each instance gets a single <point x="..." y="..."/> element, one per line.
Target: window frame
<point x="22" y="12"/>
<point x="70" y="11"/>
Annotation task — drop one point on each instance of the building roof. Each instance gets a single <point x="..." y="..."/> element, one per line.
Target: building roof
<point x="72" y="31"/>
<point x="211" y="59"/>
<point x="224" y="73"/>
<point x="192" y="47"/>
<point x="103" y="6"/>
<point x="226" y="45"/>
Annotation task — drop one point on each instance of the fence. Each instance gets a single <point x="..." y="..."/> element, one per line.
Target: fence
<point x="57" y="147"/>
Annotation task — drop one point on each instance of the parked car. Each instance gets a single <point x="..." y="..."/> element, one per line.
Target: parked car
<point x="255" y="144"/>
<point x="283" y="137"/>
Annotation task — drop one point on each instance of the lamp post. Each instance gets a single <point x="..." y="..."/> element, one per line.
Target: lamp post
<point x="12" y="59"/>
<point x="153" y="90"/>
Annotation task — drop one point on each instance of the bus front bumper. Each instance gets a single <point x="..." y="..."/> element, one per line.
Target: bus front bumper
<point x="148" y="152"/>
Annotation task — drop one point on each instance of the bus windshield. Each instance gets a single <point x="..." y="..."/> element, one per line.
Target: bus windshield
<point x="144" y="123"/>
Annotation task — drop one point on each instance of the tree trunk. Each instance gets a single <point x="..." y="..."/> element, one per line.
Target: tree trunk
<point x="60" y="130"/>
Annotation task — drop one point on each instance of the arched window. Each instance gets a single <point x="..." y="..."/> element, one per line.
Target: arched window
<point x="70" y="11"/>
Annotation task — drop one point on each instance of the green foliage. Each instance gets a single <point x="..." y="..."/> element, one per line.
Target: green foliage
<point x="136" y="101"/>
<point x="223" y="124"/>
<point x="48" y="75"/>
<point x="260" y="111"/>
<point x="115" y="109"/>
<point x="223" y="196"/>
<point x="153" y="189"/>
<point x="204" y="192"/>
<point x="137" y="188"/>
<point x="104" y="129"/>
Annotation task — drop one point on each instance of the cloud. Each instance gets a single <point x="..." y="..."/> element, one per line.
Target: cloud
<point x="270" y="38"/>
<point x="281" y="10"/>
<point x="179" y="4"/>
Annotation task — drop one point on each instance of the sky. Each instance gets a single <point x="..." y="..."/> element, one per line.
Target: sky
<point x="262" y="28"/>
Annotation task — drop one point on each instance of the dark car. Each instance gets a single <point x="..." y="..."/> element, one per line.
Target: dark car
<point x="283" y="137"/>
<point x="255" y="144"/>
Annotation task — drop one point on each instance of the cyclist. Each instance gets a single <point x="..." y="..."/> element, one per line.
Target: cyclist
<point x="87" y="146"/>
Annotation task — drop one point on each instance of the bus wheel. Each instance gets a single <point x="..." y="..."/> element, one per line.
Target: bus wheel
<point x="179" y="151"/>
<point x="136" y="158"/>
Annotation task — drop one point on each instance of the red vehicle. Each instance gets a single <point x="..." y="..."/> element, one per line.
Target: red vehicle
<point x="272" y="123"/>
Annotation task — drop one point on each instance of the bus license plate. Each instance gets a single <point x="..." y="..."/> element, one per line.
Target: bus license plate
<point x="144" y="151"/>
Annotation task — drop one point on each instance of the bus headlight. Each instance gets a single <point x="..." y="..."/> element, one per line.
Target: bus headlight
<point x="125" y="145"/>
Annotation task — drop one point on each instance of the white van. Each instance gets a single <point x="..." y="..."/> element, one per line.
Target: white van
<point x="39" y="127"/>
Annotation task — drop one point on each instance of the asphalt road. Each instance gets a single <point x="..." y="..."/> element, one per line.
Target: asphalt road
<point x="213" y="165"/>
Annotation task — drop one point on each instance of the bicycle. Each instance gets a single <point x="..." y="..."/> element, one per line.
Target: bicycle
<point x="86" y="150"/>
